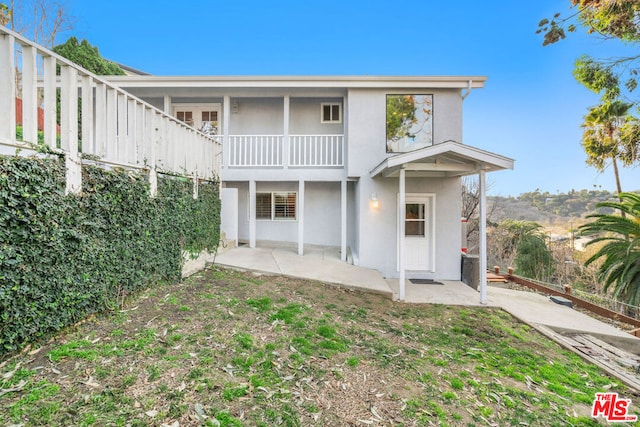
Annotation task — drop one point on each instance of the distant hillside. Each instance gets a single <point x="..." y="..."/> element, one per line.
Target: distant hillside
<point x="548" y="208"/>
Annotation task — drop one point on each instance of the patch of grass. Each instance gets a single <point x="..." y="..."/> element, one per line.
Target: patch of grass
<point x="223" y="419"/>
<point x="81" y="349"/>
<point x="457" y="384"/>
<point x="232" y="391"/>
<point x="261" y="305"/>
<point x="245" y="340"/>
<point x="353" y="361"/>
<point x="153" y="372"/>
<point x="289" y="313"/>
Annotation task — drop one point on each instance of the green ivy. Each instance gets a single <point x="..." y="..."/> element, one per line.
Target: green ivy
<point x="63" y="257"/>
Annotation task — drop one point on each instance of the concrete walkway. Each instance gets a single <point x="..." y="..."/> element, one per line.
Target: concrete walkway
<point x="323" y="264"/>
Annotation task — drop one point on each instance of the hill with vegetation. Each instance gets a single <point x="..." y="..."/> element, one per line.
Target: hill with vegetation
<point x="548" y="208"/>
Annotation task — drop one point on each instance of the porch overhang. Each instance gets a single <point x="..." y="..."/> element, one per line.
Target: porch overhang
<point x="446" y="159"/>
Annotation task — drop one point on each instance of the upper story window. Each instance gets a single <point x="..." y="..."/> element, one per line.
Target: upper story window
<point x="331" y="112"/>
<point x="409" y="122"/>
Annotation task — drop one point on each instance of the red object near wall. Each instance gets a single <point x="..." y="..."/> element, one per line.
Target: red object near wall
<point x="40" y="116"/>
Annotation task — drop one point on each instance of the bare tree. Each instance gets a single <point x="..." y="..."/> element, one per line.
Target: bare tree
<point x="39" y="20"/>
<point x="470" y="211"/>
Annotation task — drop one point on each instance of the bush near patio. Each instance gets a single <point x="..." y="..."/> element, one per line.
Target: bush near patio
<point x="63" y="257"/>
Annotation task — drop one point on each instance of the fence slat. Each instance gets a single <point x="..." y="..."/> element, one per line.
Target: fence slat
<point x="29" y="94"/>
<point x="7" y="87"/>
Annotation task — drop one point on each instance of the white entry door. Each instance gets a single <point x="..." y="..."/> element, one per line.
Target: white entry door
<point x="419" y="232"/>
<point x="205" y="117"/>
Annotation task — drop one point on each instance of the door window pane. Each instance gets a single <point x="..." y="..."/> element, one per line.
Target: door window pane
<point x="414" y="228"/>
<point x="415" y="211"/>
<point x="415" y="222"/>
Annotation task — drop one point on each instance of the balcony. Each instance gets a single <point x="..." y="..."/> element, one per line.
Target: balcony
<point x="279" y="151"/>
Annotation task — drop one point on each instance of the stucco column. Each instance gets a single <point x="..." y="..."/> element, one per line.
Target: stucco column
<point x="401" y="226"/>
<point x="343" y="220"/>
<point x="301" y="217"/>
<point x="483" y="236"/>
<point x="285" y="137"/>
<point x="167" y="105"/>
<point x="226" y="118"/>
<point x="252" y="214"/>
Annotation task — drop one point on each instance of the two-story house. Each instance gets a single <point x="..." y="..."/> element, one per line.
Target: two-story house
<point x="372" y="165"/>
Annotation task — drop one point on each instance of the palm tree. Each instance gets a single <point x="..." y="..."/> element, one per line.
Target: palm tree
<point x="620" y="270"/>
<point x="611" y="133"/>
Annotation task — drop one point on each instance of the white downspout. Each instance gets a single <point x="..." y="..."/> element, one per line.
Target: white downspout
<point x="464" y="95"/>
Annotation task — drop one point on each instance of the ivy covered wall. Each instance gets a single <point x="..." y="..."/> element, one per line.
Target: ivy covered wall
<point x="63" y="257"/>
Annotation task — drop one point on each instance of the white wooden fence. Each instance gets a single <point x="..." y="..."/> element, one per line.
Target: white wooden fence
<point x="97" y="120"/>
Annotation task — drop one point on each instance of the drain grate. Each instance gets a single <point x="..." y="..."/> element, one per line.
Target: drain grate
<point x="425" y="282"/>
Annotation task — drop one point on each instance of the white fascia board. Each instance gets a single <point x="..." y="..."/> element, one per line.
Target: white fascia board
<point x="384" y="82"/>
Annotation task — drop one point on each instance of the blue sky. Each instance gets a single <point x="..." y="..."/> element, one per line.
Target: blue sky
<point x="530" y="109"/>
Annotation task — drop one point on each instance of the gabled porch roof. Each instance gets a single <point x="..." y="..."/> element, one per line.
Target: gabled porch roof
<point x="446" y="159"/>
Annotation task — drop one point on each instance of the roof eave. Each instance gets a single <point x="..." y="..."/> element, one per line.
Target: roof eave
<point x="387" y="82"/>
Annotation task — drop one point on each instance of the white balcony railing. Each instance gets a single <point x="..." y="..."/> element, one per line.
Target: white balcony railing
<point x="97" y="120"/>
<point x="309" y="151"/>
<point x="255" y="150"/>
<point x="316" y="150"/>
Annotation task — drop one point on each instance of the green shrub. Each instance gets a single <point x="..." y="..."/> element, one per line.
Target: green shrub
<point x="63" y="257"/>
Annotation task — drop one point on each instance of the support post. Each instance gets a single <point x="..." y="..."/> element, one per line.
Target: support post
<point x="226" y="118"/>
<point x="252" y="214"/>
<point x="401" y="226"/>
<point x="482" y="180"/>
<point x="343" y="220"/>
<point x="301" y="217"/>
<point x="166" y="104"/>
<point x="285" y="139"/>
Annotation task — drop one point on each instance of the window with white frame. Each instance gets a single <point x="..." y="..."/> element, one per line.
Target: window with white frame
<point x="276" y="206"/>
<point x="331" y="112"/>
